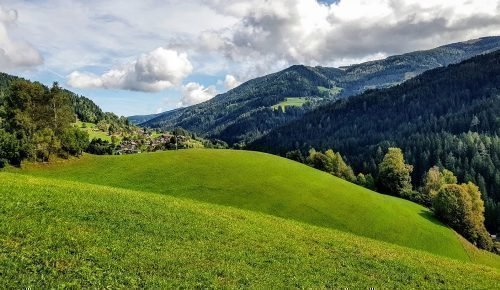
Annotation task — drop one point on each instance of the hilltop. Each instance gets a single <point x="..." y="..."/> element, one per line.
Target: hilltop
<point x="249" y="112"/>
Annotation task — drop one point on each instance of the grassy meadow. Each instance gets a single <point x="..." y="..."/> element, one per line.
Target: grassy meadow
<point x="271" y="185"/>
<point x="93" y="132"/>
<point x="56" y="234"/>
<point x="290" y="102"/>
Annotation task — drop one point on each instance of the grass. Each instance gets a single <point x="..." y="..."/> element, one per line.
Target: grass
<point x="291" y="102"/>
<point x="331" y="92"/>
<point x="271" y="185"/>
<point x="93" y="132"/>
<point x="77" y="235"/>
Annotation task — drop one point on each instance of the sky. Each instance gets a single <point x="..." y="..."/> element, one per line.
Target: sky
<point x="150" y="56"/>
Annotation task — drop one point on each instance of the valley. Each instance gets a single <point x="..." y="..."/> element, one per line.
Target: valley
<point x="296" y="144"/>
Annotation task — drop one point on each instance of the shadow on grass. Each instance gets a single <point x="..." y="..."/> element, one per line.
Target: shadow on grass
<point x="427" y="214"/>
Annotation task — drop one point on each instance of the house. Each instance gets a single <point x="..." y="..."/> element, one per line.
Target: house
<point x="127" y="151"/>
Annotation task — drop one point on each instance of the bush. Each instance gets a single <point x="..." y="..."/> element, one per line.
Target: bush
<point x="9" y="148"/>
<point x="100" y="147"/>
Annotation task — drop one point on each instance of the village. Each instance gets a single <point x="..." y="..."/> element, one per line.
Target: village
<point x="152" y="141"/>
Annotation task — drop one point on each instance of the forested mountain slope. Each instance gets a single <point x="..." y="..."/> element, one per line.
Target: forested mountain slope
<point x="447" y="117"/>
<point x="246" y="112"/>
<point x="139" y="119"/>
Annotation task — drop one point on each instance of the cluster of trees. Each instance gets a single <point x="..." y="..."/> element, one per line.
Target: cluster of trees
<point x="461" y="207"/>
<point x="37" y="124"/>
<point x="101" y="147"/>
<point x="333" y="163"/>
<point x="113" y="124"/>
<point x="458" y="205"/>
<point x="446" y="117"/>
<point x="86" y="110"/>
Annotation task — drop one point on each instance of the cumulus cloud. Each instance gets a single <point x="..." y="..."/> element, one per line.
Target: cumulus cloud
<point x="151" y="72"/>
<point x="317" y="33"/>
<point x="15" y="53"/>
<point x="230" y="82"/>
<point x="194" y="93"/>
<point x="248" y="38"/>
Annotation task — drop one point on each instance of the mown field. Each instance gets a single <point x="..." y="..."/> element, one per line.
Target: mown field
<point x="56" y="234"/>
<point x="271" y="185"/>
<point x="291" y="102"/>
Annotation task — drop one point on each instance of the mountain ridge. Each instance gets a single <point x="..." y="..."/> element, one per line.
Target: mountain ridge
<point x="245" y="113"/>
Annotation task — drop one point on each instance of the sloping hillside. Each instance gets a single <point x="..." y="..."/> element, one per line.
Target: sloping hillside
<point x="246" y="112"/>
<point x="70" y="234"/>
<point x="267" y="184"/>
<point x="446" y="117"/>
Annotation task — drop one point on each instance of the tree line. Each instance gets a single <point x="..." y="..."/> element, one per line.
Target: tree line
<point x="458" y="205"/>
<point x="37" y="122"/>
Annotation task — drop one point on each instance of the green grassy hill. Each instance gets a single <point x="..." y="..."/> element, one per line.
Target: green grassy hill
<point x="272" y="185"/>
<point x="56" y="234"/>
<point x="93" y="132"/>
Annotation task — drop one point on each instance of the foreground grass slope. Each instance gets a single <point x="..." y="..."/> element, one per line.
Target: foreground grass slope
<point x="64" y="233"/>
<point x="267" y="184"/>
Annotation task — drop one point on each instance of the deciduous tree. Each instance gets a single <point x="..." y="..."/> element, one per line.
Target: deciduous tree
<point x="395" y="174"/>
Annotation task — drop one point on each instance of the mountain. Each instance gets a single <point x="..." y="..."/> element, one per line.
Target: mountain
<point x="253" y="109"/>
<point x="139" y="119"/>
<point x="447" y="117"/>
<point x="235" y="112"/>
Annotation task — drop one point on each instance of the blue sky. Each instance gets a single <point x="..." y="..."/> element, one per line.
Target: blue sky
<point x="142" y="57"/>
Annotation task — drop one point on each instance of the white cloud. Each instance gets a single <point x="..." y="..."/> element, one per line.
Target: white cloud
<point x="314" y="33"/>
<point x="230" y="82"/>
<point x="252" y="37"/>
<point x="194" y="93"/>
<point x="74" y="34"/>
<point x="15" y="53"/>
<point x="154" y="71"/>
<point x="246" y="38"/>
